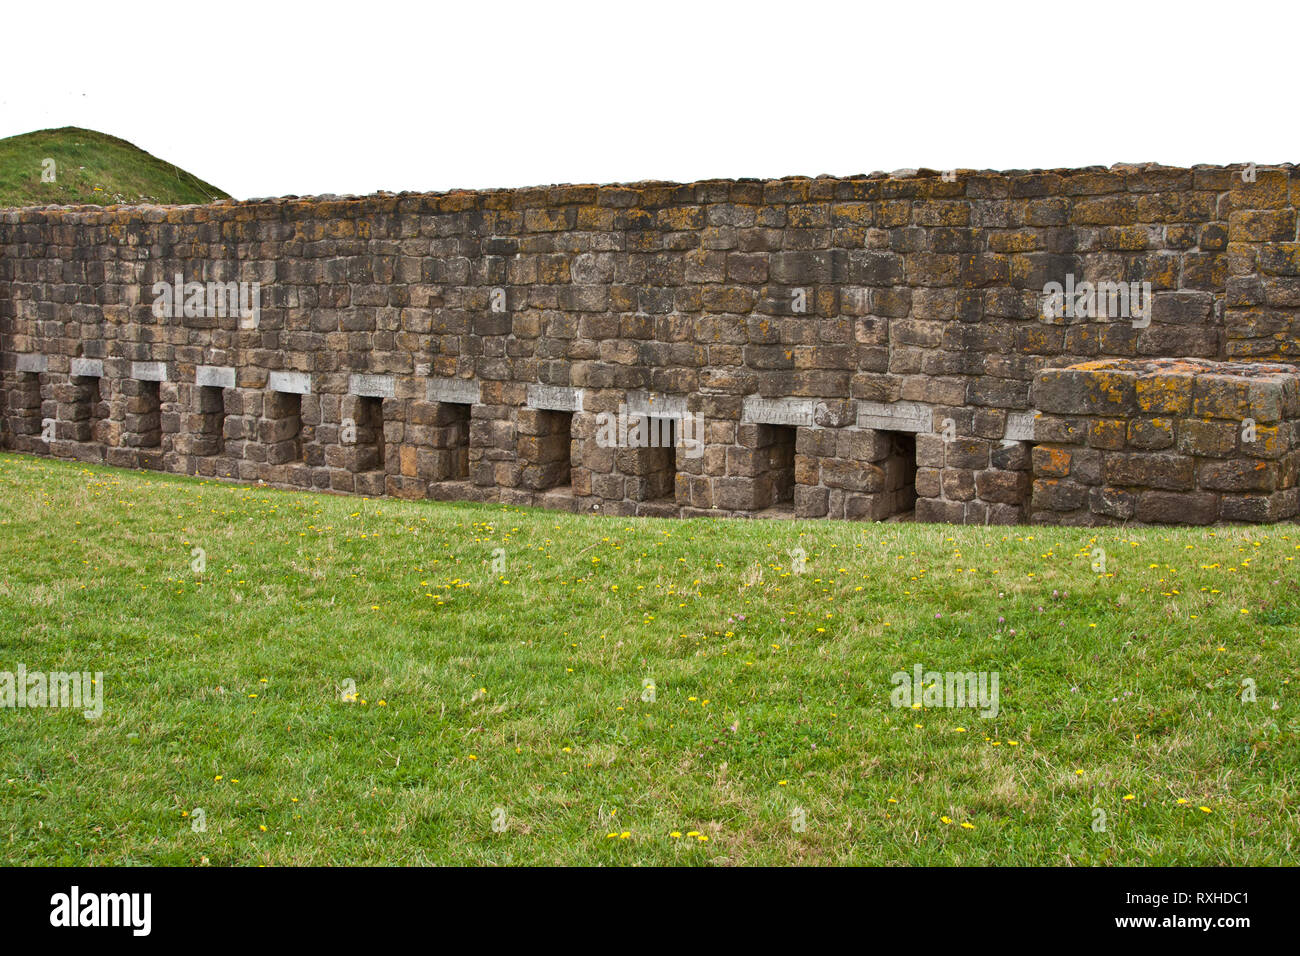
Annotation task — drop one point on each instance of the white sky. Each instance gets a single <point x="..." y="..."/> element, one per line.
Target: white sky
<point x="264" y="99"/>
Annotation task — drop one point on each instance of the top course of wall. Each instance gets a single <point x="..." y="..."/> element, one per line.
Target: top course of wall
<point x="986" y="243"/>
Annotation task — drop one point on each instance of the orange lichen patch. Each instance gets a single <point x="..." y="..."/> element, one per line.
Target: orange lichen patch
<point x="1166" y="392"/>
<point x="1107" y="387"/>
<point x="1052" y="461"/>
<point x="1108" y="433"/>
<point x="856" y="212"/>
<point x="1268" y="441"/>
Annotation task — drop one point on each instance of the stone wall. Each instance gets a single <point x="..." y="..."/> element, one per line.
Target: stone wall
<point x="1166" y="441"/>
<point x="844" y="347"/>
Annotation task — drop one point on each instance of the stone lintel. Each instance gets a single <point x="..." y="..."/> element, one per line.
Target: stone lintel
<point x="459" y="391"/>
<point x="86" y="368"/>
<point x="149" y="371"/>
<point x="372" y="386"/>
<point x="643" y="404"/>
<point x="214" y="376"/>
<point x="555" y="398"/>
<point x="296" y="383"/>
<point x="1020" y="426"/>
<point x="896" y="416"/>
<point x="31" y="362"/>
<point x="757" y="410"/>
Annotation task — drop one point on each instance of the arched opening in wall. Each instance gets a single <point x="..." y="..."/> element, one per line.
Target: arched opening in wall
<point x="25" y="408"/>
<point x="143" y="425"/>
<point x="898" y="494"/>
<point x="211" y="438"/>
<point x="282" y="427"/>
<point x="774" y="483"/>
<point x="369" y="439"/>
<point x="88" y="409"/>
<point x="650" y="459"/>
<point x="661" y="474"/>
<point x="547" y="453"/>
<point x="451" y="441"/>
<point x="1006" y="487"/>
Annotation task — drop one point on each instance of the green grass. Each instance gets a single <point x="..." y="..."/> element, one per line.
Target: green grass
<point x="523" y="689"/>
<point x="91" y="168"/>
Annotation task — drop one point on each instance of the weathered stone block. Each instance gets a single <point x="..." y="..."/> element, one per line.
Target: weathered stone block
<point x="1242" y="474"/>
<point x="1151" y="434"/>
<point x="1163" y="507"/>
<point x="1056" y="494"/>
<point x="1137" y="469"/>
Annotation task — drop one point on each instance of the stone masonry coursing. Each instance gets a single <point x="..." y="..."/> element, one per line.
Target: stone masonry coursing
<point x="849" y="348"/>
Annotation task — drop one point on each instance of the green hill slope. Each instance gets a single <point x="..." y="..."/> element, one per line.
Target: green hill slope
<point x="94" y="168"/>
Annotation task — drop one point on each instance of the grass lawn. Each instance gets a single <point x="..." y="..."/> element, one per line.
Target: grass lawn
<point x="630" y="690"/>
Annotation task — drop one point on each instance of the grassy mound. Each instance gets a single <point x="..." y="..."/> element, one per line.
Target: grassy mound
<point x="91" y="168"/>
